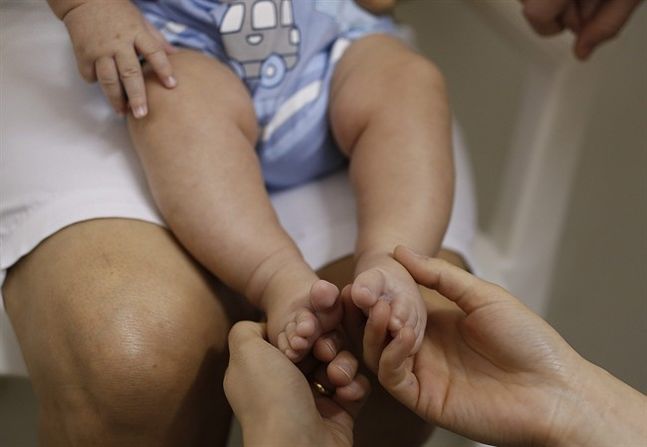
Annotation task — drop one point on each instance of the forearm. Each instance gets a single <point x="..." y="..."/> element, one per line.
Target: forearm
<point x="609" y="413"/>
<point x="402" y="171"/>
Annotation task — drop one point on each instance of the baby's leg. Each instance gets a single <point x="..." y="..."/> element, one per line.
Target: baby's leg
<point x="389" y="113"/>
<point x="197" y="148"/>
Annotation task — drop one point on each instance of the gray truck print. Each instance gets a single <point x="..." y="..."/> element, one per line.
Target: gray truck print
<point x="260" y="39"/>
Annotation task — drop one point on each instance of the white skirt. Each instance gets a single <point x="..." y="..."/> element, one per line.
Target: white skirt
<point x="66" y="158"/>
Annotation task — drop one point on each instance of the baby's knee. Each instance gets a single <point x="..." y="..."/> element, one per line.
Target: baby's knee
<point x="419" y="73"/>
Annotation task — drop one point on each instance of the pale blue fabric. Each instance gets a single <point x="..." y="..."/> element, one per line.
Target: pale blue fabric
<point x="300" y="148"/>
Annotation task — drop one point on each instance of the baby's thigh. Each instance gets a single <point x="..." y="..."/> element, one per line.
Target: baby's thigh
<point x="381" y="80"/>
<point x="117" y="324"/>
<point x="208" y="97"/>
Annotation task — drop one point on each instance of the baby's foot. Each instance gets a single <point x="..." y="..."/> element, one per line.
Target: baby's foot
<point x="295" y="324"/>
<point x="386" y="279"/>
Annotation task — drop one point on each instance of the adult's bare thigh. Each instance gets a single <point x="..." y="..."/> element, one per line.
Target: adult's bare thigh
<point x="123" y="335"/>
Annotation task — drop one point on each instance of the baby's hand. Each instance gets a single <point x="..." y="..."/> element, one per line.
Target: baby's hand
<point x="385" y="279"/>
<point x="108" y="36"/>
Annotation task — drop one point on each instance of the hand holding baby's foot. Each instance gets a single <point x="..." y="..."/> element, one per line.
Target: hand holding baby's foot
<point x="383" y="278"/>
<point x="294" y="325"/>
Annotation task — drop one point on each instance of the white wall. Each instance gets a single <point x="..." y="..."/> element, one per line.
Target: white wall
<point x="599" y="300"/>
<point x="599" y="296"/>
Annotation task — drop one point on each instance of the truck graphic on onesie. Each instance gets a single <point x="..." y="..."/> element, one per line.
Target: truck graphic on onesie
<point x="261" y="39"/>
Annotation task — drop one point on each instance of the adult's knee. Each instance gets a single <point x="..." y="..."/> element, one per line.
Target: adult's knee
<point x="140" y="370"/>
<point x="123" y="334"/>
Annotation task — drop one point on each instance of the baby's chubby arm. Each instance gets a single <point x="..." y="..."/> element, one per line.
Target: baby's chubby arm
<point x="107" y="37"/>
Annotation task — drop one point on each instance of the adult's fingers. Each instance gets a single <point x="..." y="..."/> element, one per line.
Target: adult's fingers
<point x="375" y="334"/>
<point x="352" y="397"/>
<point x="108" y="77"/>
<point x="327" y="346"/>
<point x="545" y="15"/>
<point x="454" y="283"/>
<point x="395" y="372"/>
<point x="340" y="410"/>
<point x="153" y="51"/>
<point x="245" y="331"/>
<point x="571" y="18"/>
<point x="353" y="321"/>
<point x="342" y="369"/>
<point x="588" y="8"/>
<point x="604" y="25"/>
<point x="130" y="72"/>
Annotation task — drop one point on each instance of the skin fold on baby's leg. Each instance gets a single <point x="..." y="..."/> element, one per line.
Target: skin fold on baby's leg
<point x="389" y="113"/>
<point x="197" y="149"/>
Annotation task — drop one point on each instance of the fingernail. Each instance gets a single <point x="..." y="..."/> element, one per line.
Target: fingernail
<point x="171" y="82"/>
<point x="140" y="111"/>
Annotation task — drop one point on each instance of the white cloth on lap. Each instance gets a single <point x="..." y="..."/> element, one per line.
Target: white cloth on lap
<point x="66" y="158"/>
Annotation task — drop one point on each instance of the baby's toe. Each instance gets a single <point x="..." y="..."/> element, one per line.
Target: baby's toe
<point x="306" y="324"/>
<point x="282" y="342"/>
<point x="298" y="344"/>
<point x="324" y="298"/>
<point x="323" y="295"/>
<point x="367" y="288"/>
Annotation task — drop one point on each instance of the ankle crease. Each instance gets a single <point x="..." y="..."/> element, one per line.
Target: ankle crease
<point x="267" y="270"/>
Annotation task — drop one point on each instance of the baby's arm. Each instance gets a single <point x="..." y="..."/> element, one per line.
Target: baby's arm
<point x="390" y="113"/>
<point x="108" y="37"/>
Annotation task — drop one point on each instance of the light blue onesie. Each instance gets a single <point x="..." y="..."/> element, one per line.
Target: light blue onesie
<point x="285" y="51"/>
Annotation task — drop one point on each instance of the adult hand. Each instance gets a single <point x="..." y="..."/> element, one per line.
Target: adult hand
<point x="107" y="39"/>
<point x="606" y="20"/>
<point x="592" y="21"/>
<point x="492" y="370"/>
<point x="274" y="401"/>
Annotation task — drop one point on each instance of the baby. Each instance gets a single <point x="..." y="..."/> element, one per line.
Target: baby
<point x="239" y="96"/>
